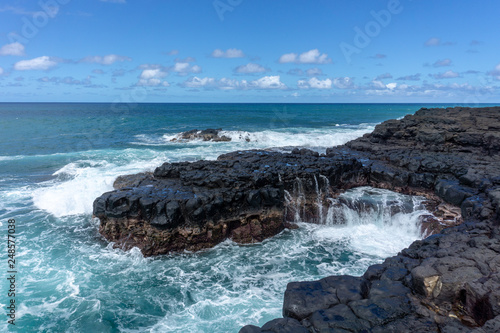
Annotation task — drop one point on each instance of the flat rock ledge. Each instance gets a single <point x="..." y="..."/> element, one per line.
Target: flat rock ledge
<point x="448" y="282"/>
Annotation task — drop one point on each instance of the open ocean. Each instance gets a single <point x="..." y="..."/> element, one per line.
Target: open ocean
<point x="55" y="159"/>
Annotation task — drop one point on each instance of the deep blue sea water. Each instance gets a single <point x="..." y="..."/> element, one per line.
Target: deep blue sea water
<point x="55" y="159"/>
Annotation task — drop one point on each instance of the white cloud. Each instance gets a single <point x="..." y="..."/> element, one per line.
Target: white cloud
<point x="433" y="41"/>
<point x="343" y="82"/>
<point x="152" y="77"/>
<point x="16" y="10"/>
<point x="118" y="72"/>
<point x="315" y="83"/>
<point x="40" y="63"/>
<point x="391" y="85"/>
<point x="211" y="83"/>
<point x="1" y="70"/>
<point x="309" y="57"/>
<point x="311" y="72"/>
<point x="13" y="49"/>
<point x="288" y="57"/>
<point x="187" y="59"/>
<point x="379" y="85"/>
<point x="229" y="53"/>
<point x="442" y="63"/>
<point x="151" y="66"/>
<point x="152" y="73"/>
<point x="229" y="84"/>
<point x="446" y="75"/>
<point x="183" y="68"/>
<point x="105" y="60"/>
<point x="414" y="77"/>
<point x="173" y="52"/>
<point x="496" y="72"/>
<point x="196" y="82"/>
<point x="266" y="82"/>
<point x="152" y="83"/>
<point x="433" y="90"/>
<point x="69" y="80"/>
<point x="313" y="57"/>
<point x="384" y="76"/>
<point x="314" y="72"/>
<point x="250" y="68"/>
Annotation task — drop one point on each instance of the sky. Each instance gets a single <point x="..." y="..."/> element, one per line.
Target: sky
<point x="297" y="51"/>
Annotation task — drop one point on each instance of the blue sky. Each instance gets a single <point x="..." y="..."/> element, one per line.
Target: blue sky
<point x="250" y="51"/>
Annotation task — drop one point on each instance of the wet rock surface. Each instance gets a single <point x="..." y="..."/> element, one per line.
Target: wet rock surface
<point x="448" y="282"/>
<point x="208" y="134"/>
<point x="191" y="206"/>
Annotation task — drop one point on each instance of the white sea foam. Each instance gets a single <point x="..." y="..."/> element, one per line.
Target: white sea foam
<point x="308" y="138"/>
<point x="74" y="196"/>
<point x="216" y="290"/>
<point x="10" y="158"/>
<point x="79" y="183"/>
<point x="253" y="277"/>
<point x="37" y="156"/>
<point x="303" y="137"/>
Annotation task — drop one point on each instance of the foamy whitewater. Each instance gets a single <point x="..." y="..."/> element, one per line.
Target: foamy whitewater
<point x="55" y="159"/>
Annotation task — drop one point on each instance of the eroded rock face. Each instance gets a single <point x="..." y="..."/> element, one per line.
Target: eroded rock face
<point x="191" y="206"/>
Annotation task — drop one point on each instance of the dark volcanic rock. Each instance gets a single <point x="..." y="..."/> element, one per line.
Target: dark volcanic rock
<point x="448" y="282"/>
<point x="209" y="134"/>
<point x="191" y="206"/>
<point x="425" y="289"/>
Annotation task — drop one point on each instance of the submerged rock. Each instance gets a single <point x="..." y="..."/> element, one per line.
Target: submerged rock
<point x="209" y="134"/>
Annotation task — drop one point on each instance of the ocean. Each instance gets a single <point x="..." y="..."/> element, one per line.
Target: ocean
<point x="55" y="159"/>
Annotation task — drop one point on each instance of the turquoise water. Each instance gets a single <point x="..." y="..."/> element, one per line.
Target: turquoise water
<point x="55" y="159"/>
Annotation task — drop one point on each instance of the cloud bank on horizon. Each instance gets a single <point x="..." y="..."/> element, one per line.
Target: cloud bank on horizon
<point x="250" y="51"/>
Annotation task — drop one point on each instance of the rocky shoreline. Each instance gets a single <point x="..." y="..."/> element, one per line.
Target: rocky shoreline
<point x="448" y="282"/>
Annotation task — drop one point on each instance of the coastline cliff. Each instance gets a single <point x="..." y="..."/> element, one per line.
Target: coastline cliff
<point x="447" y="282"/>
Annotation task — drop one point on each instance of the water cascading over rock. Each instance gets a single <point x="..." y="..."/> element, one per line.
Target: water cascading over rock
<point x="357" y="206"/>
